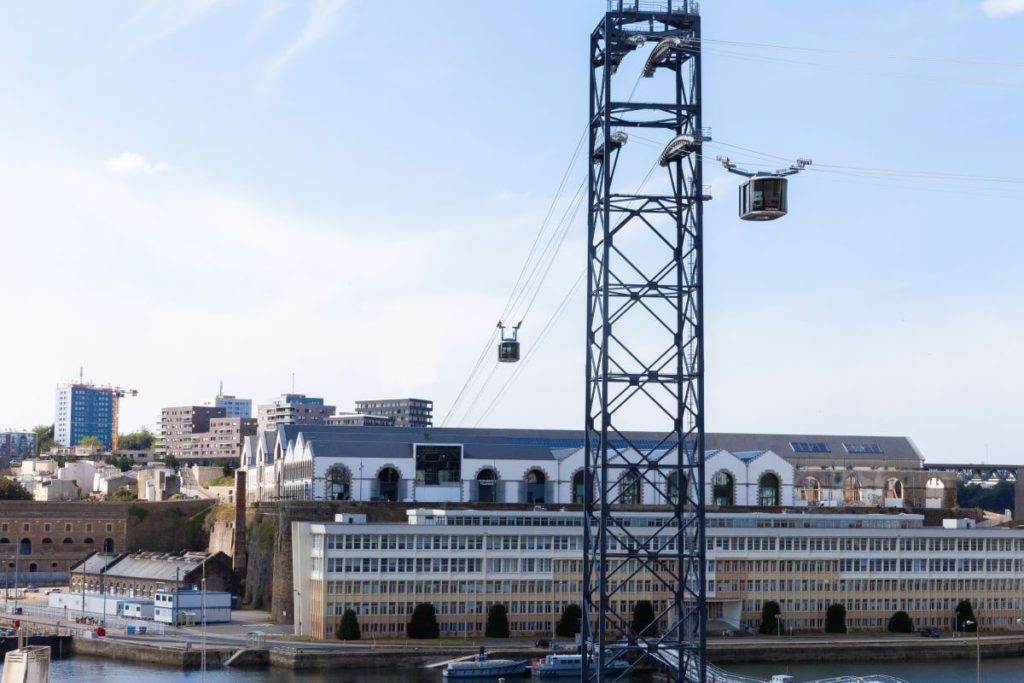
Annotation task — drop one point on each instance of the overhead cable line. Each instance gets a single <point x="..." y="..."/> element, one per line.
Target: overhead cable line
<point x="932" y="59"/>
<point x="514" y="294"/>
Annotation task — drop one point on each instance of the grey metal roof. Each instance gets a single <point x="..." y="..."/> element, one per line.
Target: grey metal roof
<point x="95" y="563"/>
<point x="544" y="444"/>
<point x="153" y="566"/>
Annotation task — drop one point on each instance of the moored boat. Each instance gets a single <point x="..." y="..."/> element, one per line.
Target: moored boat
<point x="569" y="665"/>
<point x="482" y="667"/>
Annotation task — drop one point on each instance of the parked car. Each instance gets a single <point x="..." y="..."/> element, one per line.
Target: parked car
<point x="931" y="632"/>
<point x="53" y="590"/>
<point x="542" y="643"/>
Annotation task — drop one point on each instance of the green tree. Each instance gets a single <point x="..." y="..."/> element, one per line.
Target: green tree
<point x="423" y="623"/>
<point x="348" y="628"/>
<point x="769" y="618"/>
<point x="139" y="440"/>
<point x="171" y="461"/>
<point x="497" y="622"/>
<point x="228" y="470"/>
<point x="835" y="619"/>
<point x="121" y="462"/>
<point x="900" y="622"/>
<point x="994" y="499"/>
<point x="964" y="613"/>
<point x="44" y="438"/>
<point x="91" y="442"/>
<point x="13" y="490"/>
<point x="569" y="624"/>
<point x="643" y="618"/>
<point x="123" y="494"/>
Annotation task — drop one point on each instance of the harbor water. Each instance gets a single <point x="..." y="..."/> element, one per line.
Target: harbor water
<point x="957" y="671"/>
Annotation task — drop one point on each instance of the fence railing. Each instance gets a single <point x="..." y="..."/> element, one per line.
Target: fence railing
<point x="673" y="6"/>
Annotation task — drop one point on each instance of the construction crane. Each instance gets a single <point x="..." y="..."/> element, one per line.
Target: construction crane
<point x="118" y="393"/>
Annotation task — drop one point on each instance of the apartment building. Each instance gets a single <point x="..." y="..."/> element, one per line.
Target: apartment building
<point x="83" y="410"/>
<point x="222" y="440"/>
<point x="294" y="409"/>
<point x="406" y="412"/>
<point x="178" y="424"/>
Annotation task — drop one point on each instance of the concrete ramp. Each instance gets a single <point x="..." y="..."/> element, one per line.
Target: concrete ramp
<point x="249" y="658"/>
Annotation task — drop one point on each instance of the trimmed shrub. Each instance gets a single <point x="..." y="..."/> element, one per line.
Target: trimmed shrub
<point x="901" y="623"/>
<point x="769" y="618"/>
<point x="965" y="613"/>
<point x="643" y="618"/>
<point x="835" y="619"/>
<point x="497" y="622"/>
<point x="423" y="623"/>
<point x="348" y="629"/>
<point x="569" y="625"/>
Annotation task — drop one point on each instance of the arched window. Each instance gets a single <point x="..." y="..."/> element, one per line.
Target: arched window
<point x="672" y="487"/>
<point x="47" y="541"/>
<point x="486" y="486"/>
<point x="33" y="567"/>
<point x="88" y="541"/>
<point x="810" y="490"/>
<point x="108" y="546"/>
<point x="723" y="488"/>
<point x="535" y="486"/>
<point x="25" y="547"/>
<point x="387" y="480"/>
<point x="629" y="487"/>
<point x="67" y="541"/>
<point x="579" y="487"/>
<point x="5" y="540"/>
<point x="768" y="490"/>
<point x="934" y="493"/>
<point x="851" y="490"/>
<point x="894" y="489"/>
<point x="338" y="482"/>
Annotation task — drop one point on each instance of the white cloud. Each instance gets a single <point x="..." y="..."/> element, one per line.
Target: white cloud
<point x="322" y="20"/>
<point x="130" y="163"/>
<point x="1002" y="8"/>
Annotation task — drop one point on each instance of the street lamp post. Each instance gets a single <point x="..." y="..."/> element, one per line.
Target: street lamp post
<point x="778" y="624"/>
<point x="298" y="610"/>
<point x="977" y="641"/>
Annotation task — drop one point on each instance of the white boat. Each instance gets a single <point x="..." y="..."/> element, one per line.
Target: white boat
<point x="27" y="664"/>
<point x="567" y="666"/>
<point x="481" y="667"/>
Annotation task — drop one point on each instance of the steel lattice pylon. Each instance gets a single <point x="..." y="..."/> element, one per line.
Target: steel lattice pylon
<point x="645" y="361"/>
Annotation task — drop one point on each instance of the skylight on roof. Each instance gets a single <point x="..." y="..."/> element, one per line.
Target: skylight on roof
<point x="809" y="447"/>
<point x="859" y="448"/>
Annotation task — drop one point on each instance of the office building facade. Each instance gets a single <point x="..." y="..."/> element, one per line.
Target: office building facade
<point x="234" y="406"/>
<point x="465" y="561"/>
<point x="84" y="410"/>
<point x="406" y="412"/>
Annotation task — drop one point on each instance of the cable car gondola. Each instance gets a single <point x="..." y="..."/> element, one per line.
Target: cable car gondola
<point x="508" y="347"/>
<point x="763" y="196"/>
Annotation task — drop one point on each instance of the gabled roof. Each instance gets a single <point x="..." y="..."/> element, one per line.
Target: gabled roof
<point x="150" y="566"/>
<point x="553" y="444"/>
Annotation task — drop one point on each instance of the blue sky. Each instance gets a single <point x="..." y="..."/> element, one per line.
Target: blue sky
<point x="201" y="190"/>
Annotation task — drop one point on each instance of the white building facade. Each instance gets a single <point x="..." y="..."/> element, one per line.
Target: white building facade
<point x="464" y="561"/>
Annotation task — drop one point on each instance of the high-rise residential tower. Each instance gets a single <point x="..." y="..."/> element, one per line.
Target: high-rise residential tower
<point x="84" y="410"/>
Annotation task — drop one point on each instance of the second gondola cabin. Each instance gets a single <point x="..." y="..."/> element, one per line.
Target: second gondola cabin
<point x="508" y="351"/>
<point x="763" y="198"/>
